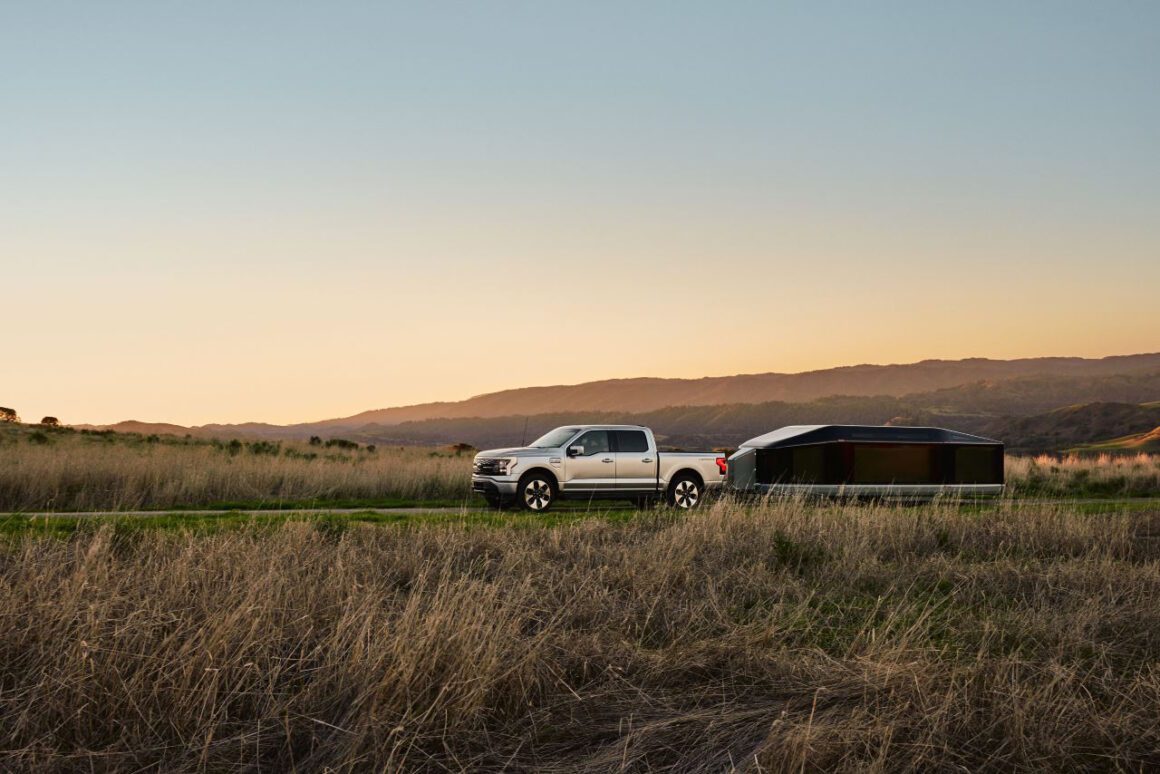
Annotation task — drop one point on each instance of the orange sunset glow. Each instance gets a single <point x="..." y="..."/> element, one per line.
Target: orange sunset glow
<point x="221" y="214"/>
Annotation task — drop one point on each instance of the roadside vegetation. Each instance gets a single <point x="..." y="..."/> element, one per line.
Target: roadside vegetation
<point x="1098" y="475"/>
<point x="764" y="637"/>
<point x="58" y="469"/>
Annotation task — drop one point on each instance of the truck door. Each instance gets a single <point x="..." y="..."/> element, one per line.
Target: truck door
<point x="636" y="463"/>
<point x="589" y="464"/>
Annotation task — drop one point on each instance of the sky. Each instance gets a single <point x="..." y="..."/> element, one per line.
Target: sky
<point x="271" y="211"/>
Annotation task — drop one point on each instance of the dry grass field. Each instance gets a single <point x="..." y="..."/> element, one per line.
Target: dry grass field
<point x="64" y="470"/>
<point x="782" y="636"/>
<point x="1114" y="475"/>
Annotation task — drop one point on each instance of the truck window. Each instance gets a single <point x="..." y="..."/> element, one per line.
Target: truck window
<point x="631" y="441"/>
<point x="554" y="438"/>
<point x="594" y="442"/>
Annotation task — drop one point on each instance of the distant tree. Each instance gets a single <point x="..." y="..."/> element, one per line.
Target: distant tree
<point x="371" y="448"/>
<point x="50" y="422"/>
<point x="315" y="440"/>
<point x="8" y="415"/>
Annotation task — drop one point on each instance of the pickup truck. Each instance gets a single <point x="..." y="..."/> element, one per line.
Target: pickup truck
<point x="587" y="462"/>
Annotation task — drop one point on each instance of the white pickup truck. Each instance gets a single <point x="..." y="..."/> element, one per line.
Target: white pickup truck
<point x="586" y="462"/>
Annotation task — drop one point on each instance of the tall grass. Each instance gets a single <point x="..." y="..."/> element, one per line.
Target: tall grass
<point x="1123" y="475"/>
<point x="783" y="636"/>
<point x="69" y="472"/>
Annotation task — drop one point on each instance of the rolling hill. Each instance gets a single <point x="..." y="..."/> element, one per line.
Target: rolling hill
<point x="1148" y="442"/>
<point x="649" y="394"/>
<point x="1077" y="425"/>
<point x="1085" y="419"/>
<point x="972" y="386"/>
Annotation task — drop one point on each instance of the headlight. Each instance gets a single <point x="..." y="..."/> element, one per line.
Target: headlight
<point x="495" y="466"/>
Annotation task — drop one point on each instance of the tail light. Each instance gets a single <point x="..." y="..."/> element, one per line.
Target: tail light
<point x="722" y="465"/>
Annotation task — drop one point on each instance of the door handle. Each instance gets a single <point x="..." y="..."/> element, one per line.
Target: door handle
<point x="606" y="459"/>
<point x="647" y="459"/>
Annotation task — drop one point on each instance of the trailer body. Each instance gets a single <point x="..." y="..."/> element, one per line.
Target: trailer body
<point x="867" y="460"/>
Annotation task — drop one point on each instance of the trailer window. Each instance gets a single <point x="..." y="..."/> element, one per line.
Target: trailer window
<point x="809" y="465"/>
<point x="978" y="465"/>
<point x="903" y="464"/>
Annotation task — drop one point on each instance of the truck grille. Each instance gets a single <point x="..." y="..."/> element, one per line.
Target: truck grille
<point x="486" y="467"/>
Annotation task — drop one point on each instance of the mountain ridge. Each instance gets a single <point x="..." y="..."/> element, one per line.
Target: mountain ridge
<point x="863" y="379"/>
<point x="1031" y="414"/>
<point x="645" y="394"/>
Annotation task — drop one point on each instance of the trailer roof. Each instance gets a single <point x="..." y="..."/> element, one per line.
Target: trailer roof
<point x="799" y="435"/>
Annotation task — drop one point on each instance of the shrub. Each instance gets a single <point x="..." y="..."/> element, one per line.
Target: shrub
<point x="264" y="447"/>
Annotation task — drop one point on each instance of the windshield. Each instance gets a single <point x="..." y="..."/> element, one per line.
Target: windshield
<point x="554" y="438"/>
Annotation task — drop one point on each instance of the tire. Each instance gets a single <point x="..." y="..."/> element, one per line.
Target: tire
<point x="537" y="492"/>
<point x="685" y="492"/>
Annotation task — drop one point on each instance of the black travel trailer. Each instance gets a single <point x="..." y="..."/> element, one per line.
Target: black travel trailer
<point x="867" y="460"/>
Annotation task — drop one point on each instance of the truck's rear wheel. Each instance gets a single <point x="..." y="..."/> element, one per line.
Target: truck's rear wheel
<point x="684" y="492"/>
<point x="537" y="492"/>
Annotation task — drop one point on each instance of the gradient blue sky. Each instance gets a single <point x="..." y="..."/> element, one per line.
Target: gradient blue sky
<point x="288" y="211"/>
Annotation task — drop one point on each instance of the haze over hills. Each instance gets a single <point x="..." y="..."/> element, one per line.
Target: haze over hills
<point x="1014" y="400"/>
<point x="649" y="394"/>
<point x="1042" y="429"/>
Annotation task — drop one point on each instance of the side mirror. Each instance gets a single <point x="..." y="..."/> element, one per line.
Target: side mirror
<point x="575" y="451"/>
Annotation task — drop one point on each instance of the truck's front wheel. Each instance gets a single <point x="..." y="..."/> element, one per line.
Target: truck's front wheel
<point x="537" y="492"/>
<point x="684" y="492"/>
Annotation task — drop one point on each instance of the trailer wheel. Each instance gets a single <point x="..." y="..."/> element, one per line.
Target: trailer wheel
<point x="684" y="492"/>
<point x="536" y="492"/>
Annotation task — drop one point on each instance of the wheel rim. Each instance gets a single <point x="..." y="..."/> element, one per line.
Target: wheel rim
<point x="685" y="494"/>
<point x="538" y="494"/>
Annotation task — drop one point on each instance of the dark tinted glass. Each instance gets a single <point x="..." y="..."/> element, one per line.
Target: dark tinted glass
<point x="903" y="464"/>
<point x="880" y="463"/>
<point x="978" y="465"/>
<point x="631" y="441"/>
<point x="594" y="442"/>
<point x="809" y="465"/>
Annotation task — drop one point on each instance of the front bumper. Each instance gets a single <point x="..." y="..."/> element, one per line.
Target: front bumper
<point x="494" y="486"/>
